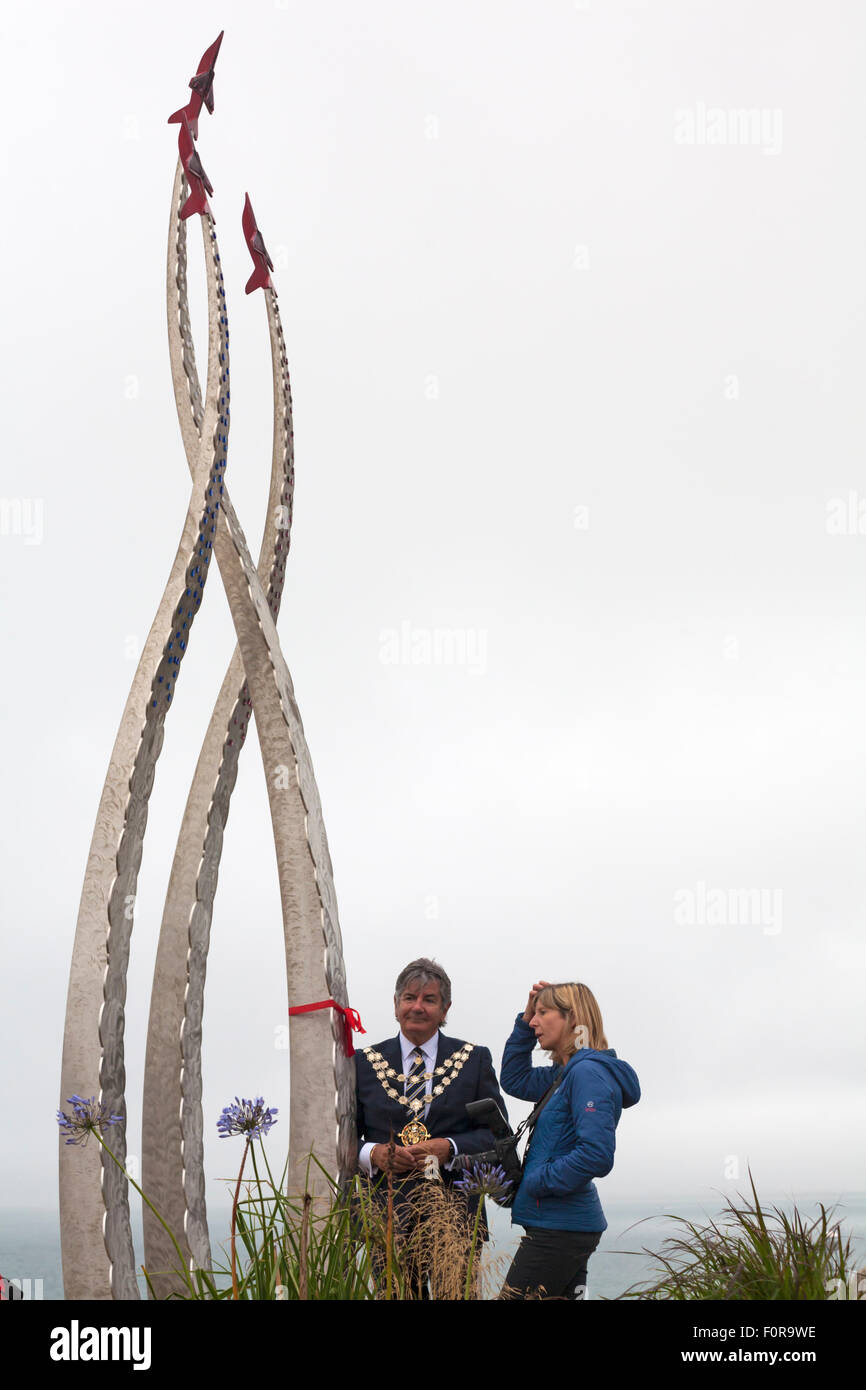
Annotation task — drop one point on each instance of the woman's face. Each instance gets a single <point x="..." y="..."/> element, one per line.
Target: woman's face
<point x="550" y="1027"/>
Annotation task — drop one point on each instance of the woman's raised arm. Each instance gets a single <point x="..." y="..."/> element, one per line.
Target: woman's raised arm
<point x="517" y="1076"/>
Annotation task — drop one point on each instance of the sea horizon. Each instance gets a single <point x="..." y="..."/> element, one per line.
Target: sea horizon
<point x="30" y="1238"/>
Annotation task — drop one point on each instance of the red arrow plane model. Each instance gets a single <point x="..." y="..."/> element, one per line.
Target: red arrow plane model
<point x="202" y="90"/>
<point x="260" y="279"/>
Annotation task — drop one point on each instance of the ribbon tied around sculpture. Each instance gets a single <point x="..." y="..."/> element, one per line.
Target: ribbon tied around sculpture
<point x="351" y="1019"/>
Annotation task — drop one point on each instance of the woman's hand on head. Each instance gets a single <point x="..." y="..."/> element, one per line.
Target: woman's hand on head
<point x="533" y="995"/>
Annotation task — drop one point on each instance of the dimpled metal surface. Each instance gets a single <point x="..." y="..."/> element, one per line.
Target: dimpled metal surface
<point x="97" y="1248"/>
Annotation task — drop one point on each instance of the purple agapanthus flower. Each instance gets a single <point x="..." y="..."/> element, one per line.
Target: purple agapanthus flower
<point x="87" y="1117"/>
<point x="484" y="1180"/>
<point x="246" y="1117"/>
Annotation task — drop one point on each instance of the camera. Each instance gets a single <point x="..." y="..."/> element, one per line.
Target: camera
<point x="504" y="1152"/>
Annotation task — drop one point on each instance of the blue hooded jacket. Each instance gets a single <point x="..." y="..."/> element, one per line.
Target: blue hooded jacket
<point x="574" y="1138"/>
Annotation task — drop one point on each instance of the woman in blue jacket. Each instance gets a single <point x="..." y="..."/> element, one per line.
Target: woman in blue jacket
<point x="573" y="1139"/>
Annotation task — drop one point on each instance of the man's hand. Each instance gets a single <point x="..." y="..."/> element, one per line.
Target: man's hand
<point x="533" y="995"/>
<point x="399" y="1159"/>
<point x="440" y="1148"/>
<point x="411" y="1158"/>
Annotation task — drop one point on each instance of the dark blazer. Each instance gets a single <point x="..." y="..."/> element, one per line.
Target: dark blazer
<point x="379" y="1116"/>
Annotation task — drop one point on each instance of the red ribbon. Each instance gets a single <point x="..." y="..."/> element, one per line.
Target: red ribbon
<point x="351" y="1018"/>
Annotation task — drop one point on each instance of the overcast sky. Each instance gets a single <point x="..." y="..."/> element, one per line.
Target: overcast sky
<point x="574" y="301"/>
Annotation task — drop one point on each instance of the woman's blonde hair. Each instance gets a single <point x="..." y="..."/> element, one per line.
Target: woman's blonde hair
<point x="578" y="1004"/>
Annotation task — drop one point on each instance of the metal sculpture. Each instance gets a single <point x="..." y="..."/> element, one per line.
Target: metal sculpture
<point x="98" y="1259"/>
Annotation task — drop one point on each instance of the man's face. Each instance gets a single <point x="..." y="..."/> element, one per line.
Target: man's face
<point x="419" y="1010"/>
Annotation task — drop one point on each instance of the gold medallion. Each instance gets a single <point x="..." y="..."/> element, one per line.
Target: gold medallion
<point x="414" y="1133"/>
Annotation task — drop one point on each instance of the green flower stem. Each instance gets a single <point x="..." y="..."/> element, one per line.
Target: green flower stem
<point x="169" y="1232"/>
<point x="235" y="1221"/>
<point x="473" y="1243"/>
<point x="259" y="1186"/>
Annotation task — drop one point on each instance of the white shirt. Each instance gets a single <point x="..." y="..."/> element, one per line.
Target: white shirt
<point x="429" y="1051"/>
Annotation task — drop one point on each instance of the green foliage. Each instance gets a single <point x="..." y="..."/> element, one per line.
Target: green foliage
<point x="347" y="1245"/>
<point x="300" y="1249"/>
<point x="343" y="1245"/>
<point x="297" y="1252"/>
<point x="748" y="1253"/>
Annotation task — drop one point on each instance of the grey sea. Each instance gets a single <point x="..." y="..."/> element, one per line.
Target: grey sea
<point x="30" y="1240"/>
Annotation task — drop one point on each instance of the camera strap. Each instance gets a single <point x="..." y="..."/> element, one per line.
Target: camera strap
<point x="505" y="1152"/>
<point x="531" y="1120"/>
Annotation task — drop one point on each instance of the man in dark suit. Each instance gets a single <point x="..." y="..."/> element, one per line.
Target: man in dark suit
<point x="412" y="1093"/>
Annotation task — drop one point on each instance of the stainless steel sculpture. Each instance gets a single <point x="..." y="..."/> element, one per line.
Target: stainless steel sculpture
<point x="98" y="1259"/>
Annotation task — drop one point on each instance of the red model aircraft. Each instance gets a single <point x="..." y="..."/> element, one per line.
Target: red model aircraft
<point x="260" y="279"/>
<point x="202" y="90"/>
<point x="199" y="183"/>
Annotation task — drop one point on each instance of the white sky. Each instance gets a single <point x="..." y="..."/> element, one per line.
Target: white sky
<point x="564" y="383"/>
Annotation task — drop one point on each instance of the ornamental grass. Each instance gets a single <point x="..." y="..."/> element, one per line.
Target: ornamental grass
<point x="750" y="1253"/>
<point x="356" y="1248"/>
<point x="346" y="1245"/>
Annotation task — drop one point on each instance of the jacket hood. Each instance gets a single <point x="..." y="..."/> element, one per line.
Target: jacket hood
<point x="624" y="1074"/>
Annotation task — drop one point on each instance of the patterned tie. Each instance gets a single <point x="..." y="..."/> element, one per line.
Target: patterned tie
<point x="416" y="1085"/>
